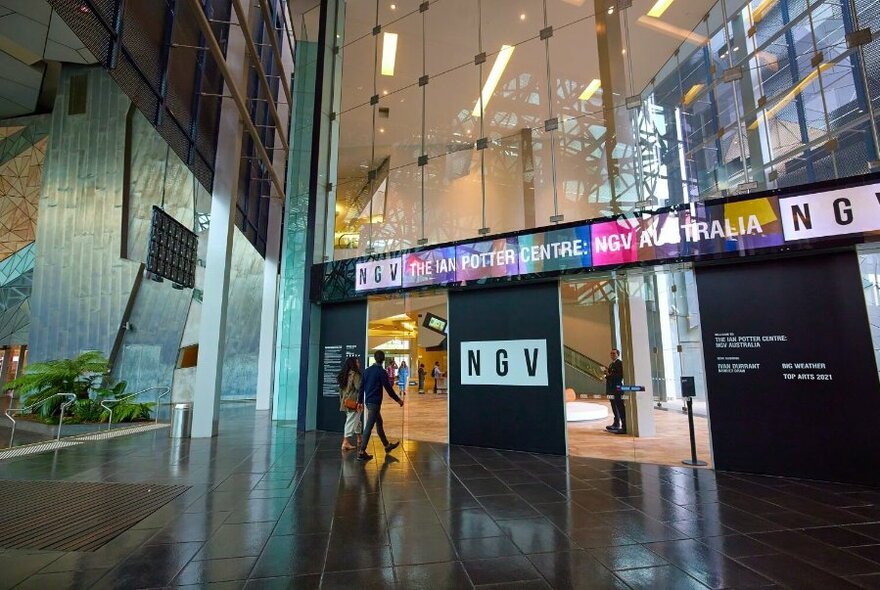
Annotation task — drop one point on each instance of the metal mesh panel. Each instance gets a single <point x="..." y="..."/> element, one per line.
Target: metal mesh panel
<point x="162" y="82"/>
<point x="87" y="26"/>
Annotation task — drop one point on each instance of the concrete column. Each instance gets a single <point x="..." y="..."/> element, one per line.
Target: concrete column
<point x="22" y="360"/>
<point x="640" y="419"/>
<point x="5" y="365"/>
<point x="269" y="315"/>
<point x="212" y="328"/>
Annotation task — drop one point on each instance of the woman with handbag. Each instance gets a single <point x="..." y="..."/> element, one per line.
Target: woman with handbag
<point x="349" y="380"/>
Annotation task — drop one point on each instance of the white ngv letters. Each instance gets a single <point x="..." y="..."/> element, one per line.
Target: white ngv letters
<point x="521" y="363"/>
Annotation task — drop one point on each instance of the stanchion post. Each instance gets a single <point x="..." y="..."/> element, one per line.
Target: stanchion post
<point x="693" y="461"/>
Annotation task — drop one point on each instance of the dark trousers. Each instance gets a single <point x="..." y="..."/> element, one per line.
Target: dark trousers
<point x="618" y="407"/>
<point x="373" y="413"/>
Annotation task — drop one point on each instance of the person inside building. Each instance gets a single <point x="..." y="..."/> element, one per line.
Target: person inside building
<point x="391" y="370"/>
<point x="349" y="380"/>
<point x="436" y="373"/>
<point x="422" y="373"/>
<point x="613" y="380"/>
<point x="370" y="400"/>
<point x="402" y="377"/>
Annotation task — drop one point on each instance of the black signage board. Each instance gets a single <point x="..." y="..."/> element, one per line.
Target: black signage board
<point x="792" y="380"/>
<point x="688" y="387"/>
<point x="505" y="369"/>
<point x="343" y="334"/>
<point x="172" y="251"/>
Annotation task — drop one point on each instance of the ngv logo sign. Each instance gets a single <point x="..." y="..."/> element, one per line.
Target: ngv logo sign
<point x="379" y="274"/>
<point x="504" y="362"/>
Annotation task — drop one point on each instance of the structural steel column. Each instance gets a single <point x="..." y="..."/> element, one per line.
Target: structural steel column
<point x="212" y="328"/>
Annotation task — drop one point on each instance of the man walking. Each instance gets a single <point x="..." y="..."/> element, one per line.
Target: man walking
<point x="613" y="380"/>
<point x="370" y="397"/>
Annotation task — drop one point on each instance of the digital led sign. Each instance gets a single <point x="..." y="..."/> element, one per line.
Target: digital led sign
<point x="698" y="229"/>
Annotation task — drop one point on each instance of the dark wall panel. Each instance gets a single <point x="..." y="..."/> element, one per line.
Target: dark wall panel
<point x="792" y="380"/>
<point x="505" y="369"/>
<point x="343" y="334"/>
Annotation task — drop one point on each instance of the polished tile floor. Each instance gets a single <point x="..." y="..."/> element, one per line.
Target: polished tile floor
<point x="668" y="446"/>
<point x="270" y="508"/>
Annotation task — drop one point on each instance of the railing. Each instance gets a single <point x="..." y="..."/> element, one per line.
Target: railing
<point x="160" y="393"/>
<point x="70" y="399"/>
<point x="583" y="363"/>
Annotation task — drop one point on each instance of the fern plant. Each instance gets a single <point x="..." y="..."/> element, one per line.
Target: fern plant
<point x="82" y="377"/>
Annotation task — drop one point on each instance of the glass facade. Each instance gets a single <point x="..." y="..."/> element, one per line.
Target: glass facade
<point x="457" y="118"/>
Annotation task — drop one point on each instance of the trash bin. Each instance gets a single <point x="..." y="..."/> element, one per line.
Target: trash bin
<point x="181" y="420"/>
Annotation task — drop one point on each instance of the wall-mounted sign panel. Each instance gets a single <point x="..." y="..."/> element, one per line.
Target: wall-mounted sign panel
<point x="514" y="363"/>
<point x="838" y="213"/>
<point x="379" y="274"/>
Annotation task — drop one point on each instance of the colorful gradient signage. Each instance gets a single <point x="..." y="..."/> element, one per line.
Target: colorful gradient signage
<point x="701" y="229"/>
<point x="429" y="267"/>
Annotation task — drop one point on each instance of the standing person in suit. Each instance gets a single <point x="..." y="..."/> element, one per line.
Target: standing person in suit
<point x="370" y="397"/>
<point x="614" y="379"/>
<point x="436" y="373"/>
<point x="422" y="373"/>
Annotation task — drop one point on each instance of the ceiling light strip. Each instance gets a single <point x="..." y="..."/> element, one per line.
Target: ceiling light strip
<point x="389" y="53"/>
<point x="590" y="90"/>
<point x="501" y="61"/>
<point x="659" y="8"/>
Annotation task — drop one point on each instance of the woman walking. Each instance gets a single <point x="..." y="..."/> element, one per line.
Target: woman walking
<point x="349" y="380"/>
<point x="402" y="377"/>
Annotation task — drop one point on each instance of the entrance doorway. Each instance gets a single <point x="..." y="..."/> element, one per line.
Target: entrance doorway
<point x="412" y="330"/>
<point x="651" y="317"/>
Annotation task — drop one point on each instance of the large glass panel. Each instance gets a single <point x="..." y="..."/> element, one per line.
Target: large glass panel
<point x="451" y="35"/>
<point x="354" y="187"/>
<point x="360" y="18"/>
<point x="358" y="72"/>
<point x="399" y="58"/>
<point x="391" y="11"/>
<point x="509" y="190"/>
<point x="509" y="22"/>
<point x="514" y="89"/>
<point x="399" y="126"/>
<point x="564" y="12"/>
<point x="450" y="124"/>
<point x="399" y="225"/>
<point x="453" y="197"/>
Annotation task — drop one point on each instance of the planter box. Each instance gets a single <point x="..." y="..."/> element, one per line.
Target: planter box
<point x="50" y="430"/>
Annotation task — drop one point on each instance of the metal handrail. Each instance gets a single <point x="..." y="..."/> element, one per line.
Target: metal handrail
<point x="160" y="393"/>
<point x="71" y="397"/>
<point x="583" y="363"/>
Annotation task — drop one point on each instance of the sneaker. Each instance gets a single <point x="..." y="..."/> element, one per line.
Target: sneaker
<point x="390" y="447"/>
<point x="612" y="428"/>
<point x="364" y="457"/>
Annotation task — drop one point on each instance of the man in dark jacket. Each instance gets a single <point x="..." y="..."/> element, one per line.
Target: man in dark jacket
<point x="613" y="380"/>
<point x="370" y="397"/>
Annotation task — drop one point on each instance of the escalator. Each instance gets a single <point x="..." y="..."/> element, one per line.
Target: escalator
<point x="582" y="373"/>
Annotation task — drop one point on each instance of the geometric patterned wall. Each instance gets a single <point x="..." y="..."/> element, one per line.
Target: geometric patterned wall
<point x="22" y="149"/>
